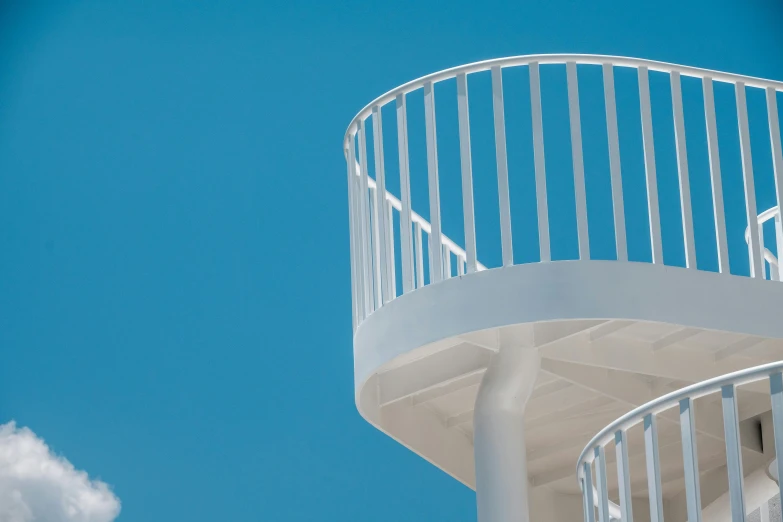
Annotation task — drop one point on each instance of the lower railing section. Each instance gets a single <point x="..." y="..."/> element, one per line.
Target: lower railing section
<point x="592" y="465"/>
<point x="771" y="269"/>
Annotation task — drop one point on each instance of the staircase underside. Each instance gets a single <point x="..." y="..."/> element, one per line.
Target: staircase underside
<point x="592" y="372"/>
<point x="593" y="369"/>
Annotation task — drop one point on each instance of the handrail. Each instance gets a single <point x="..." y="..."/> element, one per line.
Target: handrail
<point x="672" y="399"/>
<point x="379" y="243"/>
<point x="684" y="397"/>
<point x="423" y="223"/>
<point x="588" y="59"/>
<point x="769" y="257"/>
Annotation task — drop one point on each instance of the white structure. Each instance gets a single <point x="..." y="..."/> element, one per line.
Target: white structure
<point x="501" y="376"/>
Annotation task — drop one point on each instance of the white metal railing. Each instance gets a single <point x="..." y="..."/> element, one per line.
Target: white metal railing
<point x="376" y="243"/>
<point x="592" y="464"/>
<point x="770" y="258"/>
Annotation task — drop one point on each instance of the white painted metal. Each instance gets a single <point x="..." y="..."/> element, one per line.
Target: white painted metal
<point x="385" y="263"/>
<point x="653" y="467"/>
<point x="600" y="483"/>
<point x="649" y="166"/>
<point x="357" y="274"/>
<point x="432" y="174"/>
<point x="733" y="455"/>
<point x="392" y="275"/>
<point x="776" y="400"/>
<point x="623" y="476"/>
<point x="355" y="283"/>
<point x="612" y="336"/>
<point x="614" y="163"/>
<point x="467" y="172"/>
<point x="768" y="256"/>
<point x="382" y="267"/>
<point x="682" y="168"/>
<point x="499" y="440"/>
<point x="758" y="488"/>
<point x="726" y="385"/>
<point x="452" y="338"/>
<point x="419" y="257"/>
<point x="396" y="204"/>
<point x="378" y="268"/>
<point x="498" y="112"/>
<point x="747" y="175"/>
<point x="367" y="262"/>
<point x="690" y="458"/>
<point x="406" y="252"/>
<point x="778" y="246"/>
<point x="717" y="183"/>
<point x="540" y="163"/>
<point x="587" y="59"/>
<point x="587" y="492"/>
<point x="576" y="158"/>
<point x="777" y="160"/>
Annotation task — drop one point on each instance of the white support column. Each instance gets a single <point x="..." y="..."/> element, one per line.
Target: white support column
<point x="499" y="436"/>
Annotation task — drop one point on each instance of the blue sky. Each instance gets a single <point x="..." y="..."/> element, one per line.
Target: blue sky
<point x="175" y="311"/>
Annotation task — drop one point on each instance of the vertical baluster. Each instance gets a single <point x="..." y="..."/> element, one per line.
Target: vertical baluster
<point x="614" y="163"/>
<point x="361" y="248"/>
<point x="715" y="174"/>
<point x="467" y="171"/>
<point x="432" y="172"/>
<point x="352" y="220"/>
<point x="390" y="250"/>
<point x="446" y="262"/>
<point x="653" y="468"/>
<point x="460" y="265"/>
<point x="623" y="476"/>
<point x="585" y="506"/>
<point x="587" y="490"/>
<point x="777" y="162"/>
<point x="682" y="167"/>
<point x="779" y="247"/>
<point x="760" y="227"/>
<point x="577" y="161"/>
<point x="649" y="166"/>
<point x="540" y="162"/>
<point x="419" y="257"/>
<point x="776" y="396"/>
<point x="376" y="249"/>
<point x="380" y="203"/>
<point x="756" y="268"/>
<point x="733" y="452"/>
<point x="504" y="203"/>
<point x="690" y="459"/>
<point x="431" y="258"/>
<point x="406" y="250"/>
<point x="600" y="484"/>
<point x="369" y="302"/>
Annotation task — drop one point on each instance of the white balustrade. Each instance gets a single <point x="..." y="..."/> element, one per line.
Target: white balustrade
<point x="426" y="255"/>
<point x="591" y="468"/>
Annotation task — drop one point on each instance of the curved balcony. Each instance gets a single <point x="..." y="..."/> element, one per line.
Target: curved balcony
<point x="601" y="211"/>
<point x="382" y="225"/>
<point x="721" y="482"/>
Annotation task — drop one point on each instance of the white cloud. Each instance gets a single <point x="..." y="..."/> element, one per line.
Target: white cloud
<point x="36" y="485"/>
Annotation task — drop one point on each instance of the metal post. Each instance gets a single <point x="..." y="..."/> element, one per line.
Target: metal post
<point x="499" y="437"/>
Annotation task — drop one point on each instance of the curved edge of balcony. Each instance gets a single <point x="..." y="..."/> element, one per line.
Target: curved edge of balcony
<point x="565" y="290"/>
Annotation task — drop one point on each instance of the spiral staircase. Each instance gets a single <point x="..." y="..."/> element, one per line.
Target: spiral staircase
<point x="623" y="258"/>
